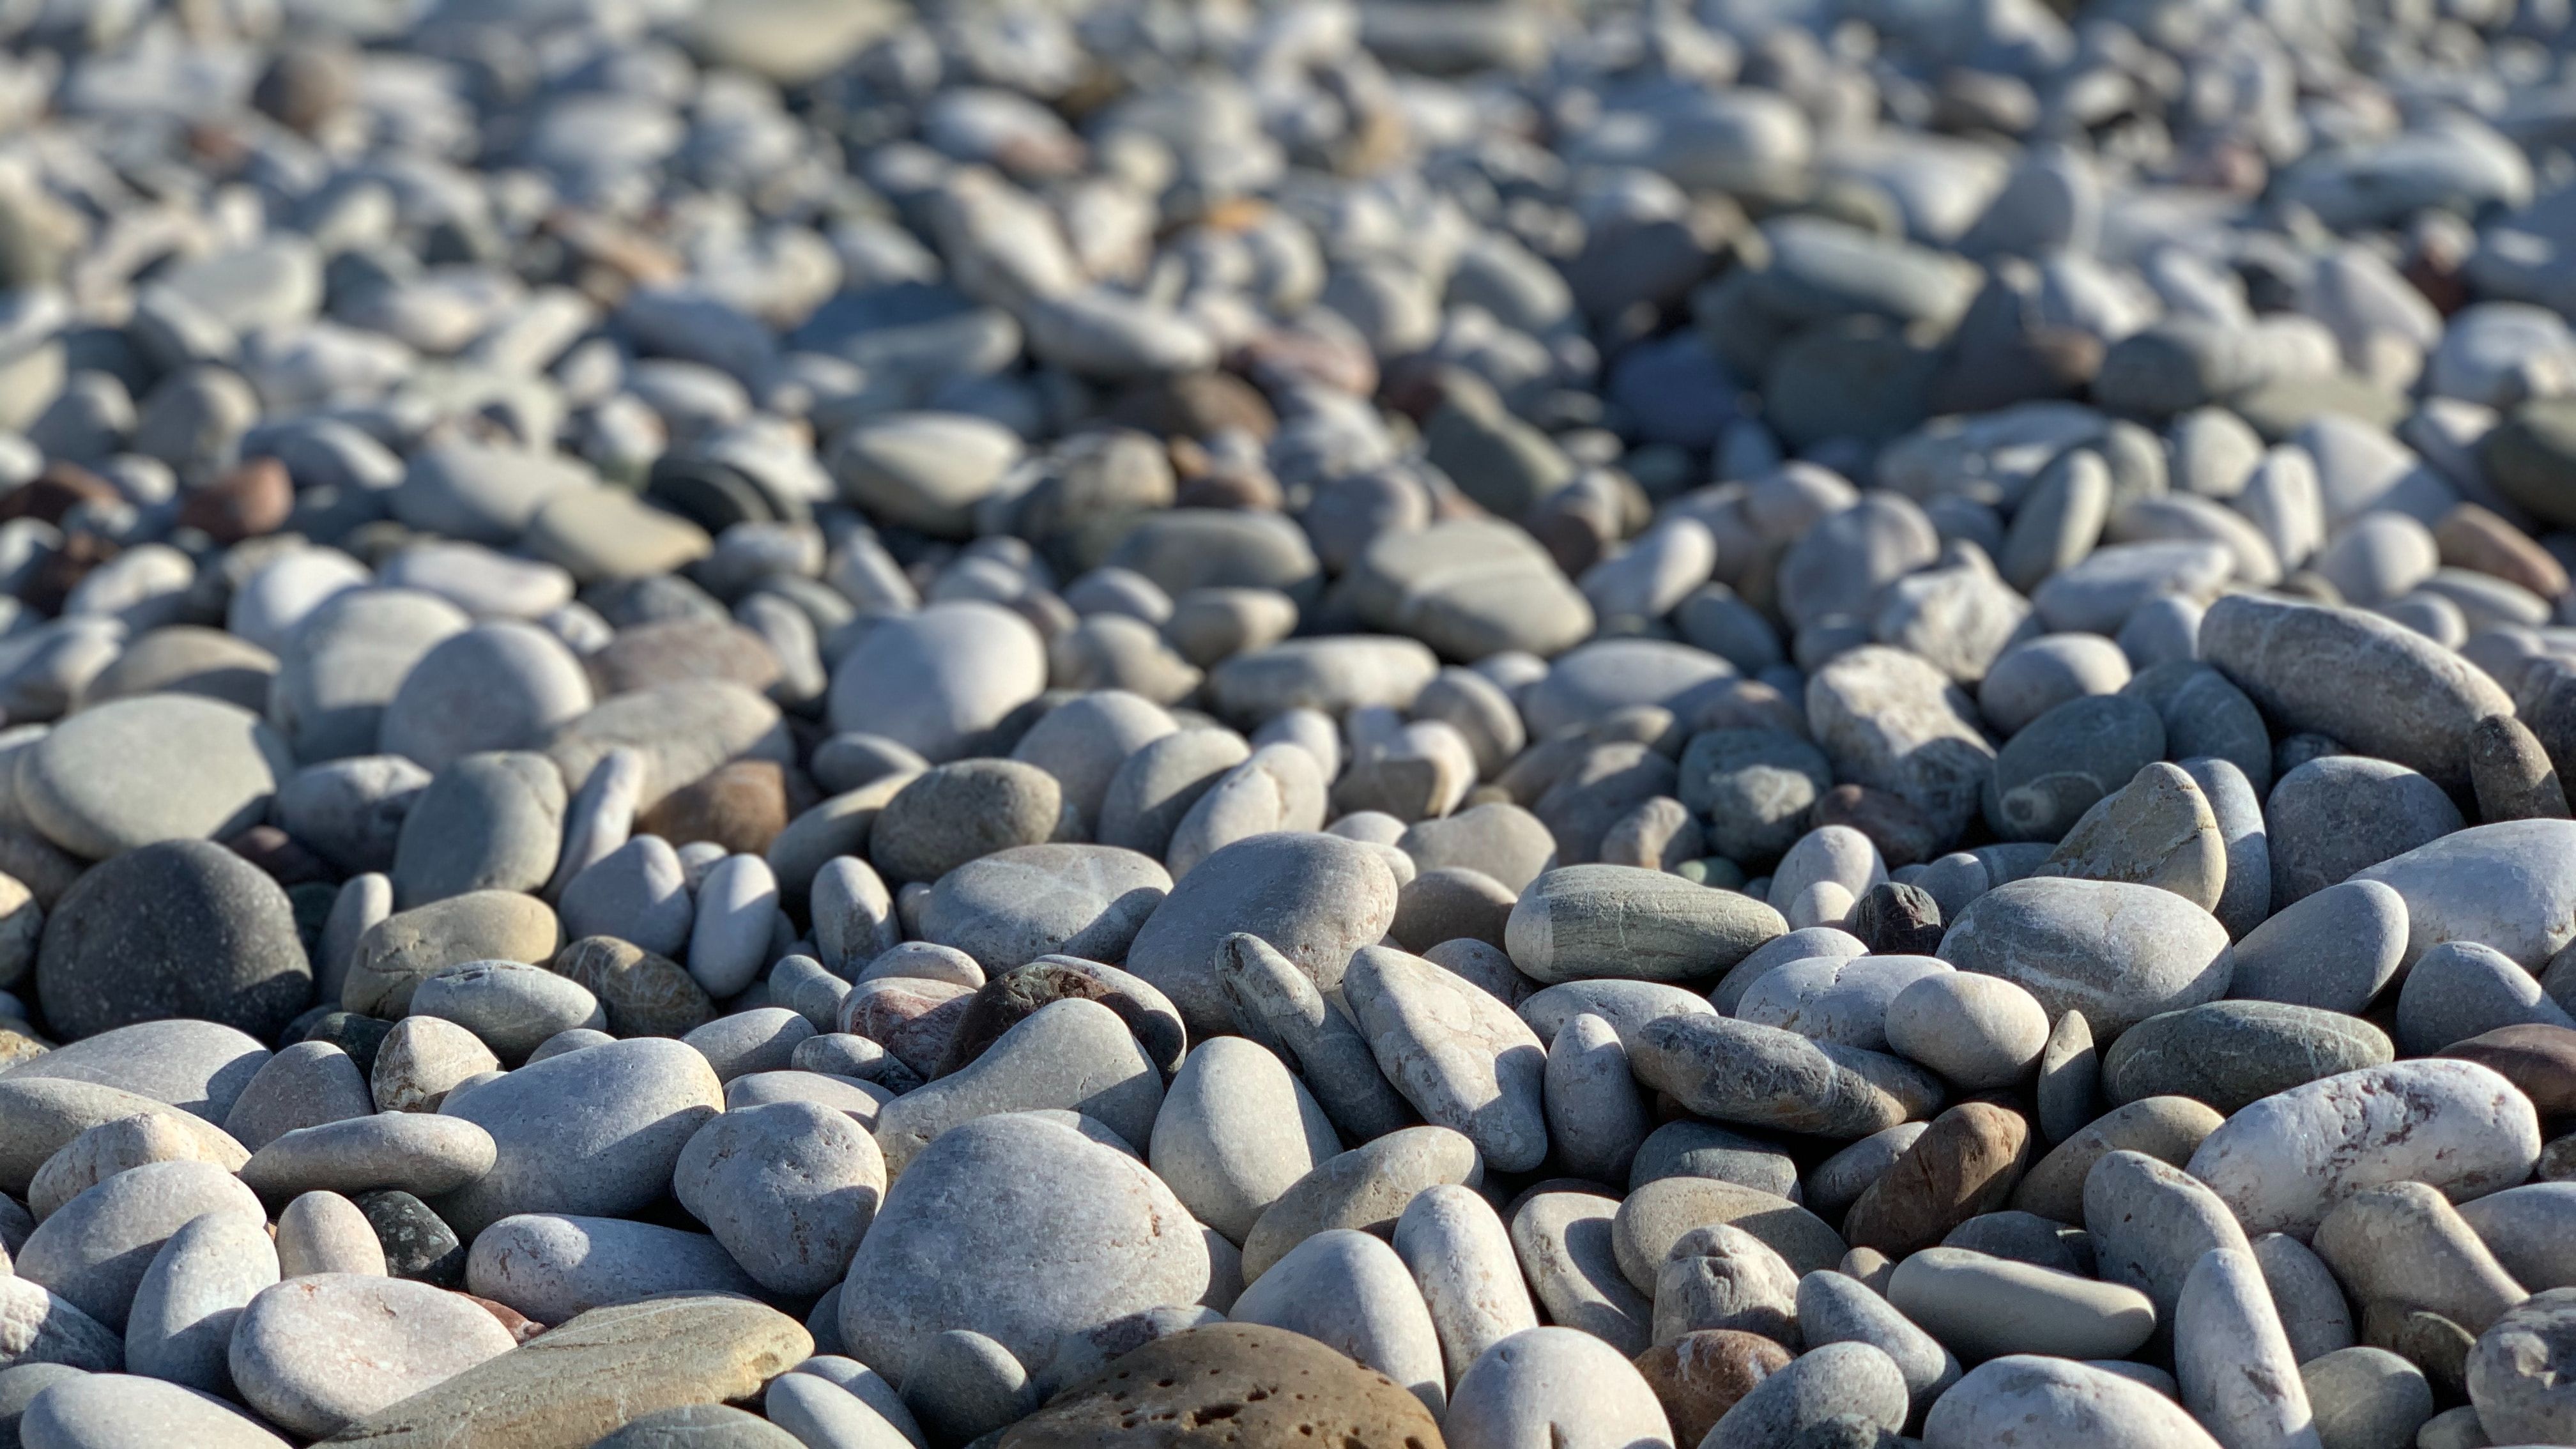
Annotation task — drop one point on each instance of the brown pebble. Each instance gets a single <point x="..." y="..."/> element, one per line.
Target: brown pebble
<point x="2471" y="537"/>
<point x="2534" y="1056"/>
<point x="1699" y="1376"/>
<point x="253" y="499"/>
<point x="1966" y="1163"/>
<point x="741" y="806"/>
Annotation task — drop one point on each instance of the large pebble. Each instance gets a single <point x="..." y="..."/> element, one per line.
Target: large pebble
<point x="2283" y="1162"/>
<point x="2117" y="952"/>
<point x="641" y="1102"/>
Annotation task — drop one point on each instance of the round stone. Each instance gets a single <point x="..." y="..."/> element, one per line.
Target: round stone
<point x="315" y="1353"/>
<point x="153" y="768"/>
<point x="182" y="928"/>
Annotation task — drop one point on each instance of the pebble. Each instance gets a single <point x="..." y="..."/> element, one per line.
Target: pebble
<point x="917" y="1274"/>
<point x="190" y="1299"/>
<point x="1558" y="1383"/>
<point x="807" y="1167"/>
<point x="604" y="1369"/>
<point x="2233" y="1053"/>
<point x="2333" y="950"/>
<point x="1763" y="1076"/>
<point x="555" y="1266"/>
<point x="323" y="1232"/>
<point x="1458" y="1055"/>
<point x="2282" y="1163"/>
<point x="2366" y="1397"/>
<point x="1837" y="1380"/>
<point x="217" y="943"/>
<point x="648" y="1097"/>
<point x="2231" y="1359"/>
<point x="1348" y="1289"/>
<point x="1260" y="1371"/>
<point x="1982" y="1307"/>
<point x="2512" y="1379"/>
<point x="94" y="1251"/>
<point x="2116" y="951"/>
<point x="1235" y="1131"/>
<point x="153" y="768"/>
<point x="2054" y="1403"/>
<point x="317" y="1353"/>
<point x="421" y="1153"/>
<point x="114" y="1411"/>
<point x="1338" y="897"/>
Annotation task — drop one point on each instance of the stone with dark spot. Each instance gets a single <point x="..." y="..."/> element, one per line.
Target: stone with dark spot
<point x="418" y="1243"/>
<point x="1230" y="1384"/>
<point x="1894" y="919"/>
<point x="1014" y="996"/>
<point x="645" y="994"/>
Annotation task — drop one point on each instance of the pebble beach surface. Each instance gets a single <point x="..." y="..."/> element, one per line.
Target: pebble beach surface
<point x="1336" y="724"/>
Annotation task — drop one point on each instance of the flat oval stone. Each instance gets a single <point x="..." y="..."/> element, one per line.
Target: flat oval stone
<point x="643" y="994"/>
<point x="315" y="1353"/>
<point x="1460" y="1056"/>
<point x="184" y="928"/>
<point x="1843" y="1001"/>
<point x="2117" y="952"/>
<point x="1236" y="1130"/>
<point x="1836" y="1382"/>
<point x="1014" y="905"/>
<point x="2509" y="885"/>
<point x="2333" y="817"/>
<point x="2333" y="950"/>
<point x="1348" y="1289"/>
<point x="306" y="1084"/>
<point x="1762" y="1076"/>
<point x="978" y="1230"/>
<point x="646" y="1096"/>
<point x="95" y="1250"/>
<point x="200" y="1067"/>
<point x="1966" y="1163"/>
<point x="2380" y="688"/>
<point x="113" y="1411"/>
<point x="513" y="1007"/>
<point x="181" y="1325"/>
<point x="487" y="822"/>
<point x="1663" y="1212"/>
<point x="2231" y="1359"/>
<point x="2233" y="1053"/>
<point x="497" y="686"/>
<point x="604" y="1369"/>
<point x="2168" y="1129"/>
<point x="1557" y="1386"/>
<point x="1565" y="1242"/>
<point x="420" y="1153"/>
<point x="1072" y="1054"/>
<point x="937" y="679"/>
<point x="1366" y="1187"/>
<point x="1315" y="898"/>
<point x="1699" y="1376"/>
<point x="1588" y="921"/>
<point x="2283" y="1162"/>
<point x="156" y="767"/>
<point x="2055" y="1403"/>
<point x="1984" y="1307"/>
<point x="399" y="952"/>
<point x="1978" y="1031"/>
<point x="2151" y="1224"/>
<point x="555" y="1266"/>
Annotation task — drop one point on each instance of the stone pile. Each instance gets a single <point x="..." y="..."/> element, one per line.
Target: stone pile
<point x="1061" y="724"/>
